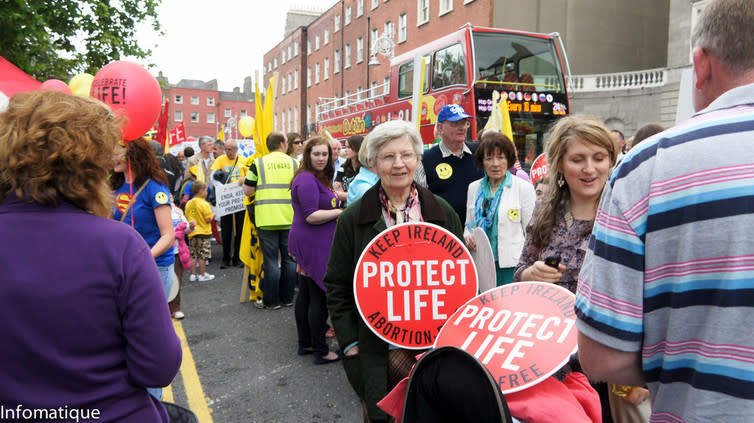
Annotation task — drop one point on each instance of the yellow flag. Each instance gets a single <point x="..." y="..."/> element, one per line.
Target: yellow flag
<point x="251" y="255"/>
<point x="507" y="128"/>
<point x="221" y="134"/>
<point x="267" y="114"/>
<point x="500" y="118"/>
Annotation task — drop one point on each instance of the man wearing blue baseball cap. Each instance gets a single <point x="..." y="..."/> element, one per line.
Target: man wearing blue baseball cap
<point x="448" y="168"/>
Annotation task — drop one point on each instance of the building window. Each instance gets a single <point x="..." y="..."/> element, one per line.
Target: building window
<point x="178" y="116"/>
<point x="290" y="55"/>
<point x="194" y="100"/>
<point x="316" y="73"/>
<point x="402" y="28"/>
<point x="210" y="101"/>
<point x="326" y="69"/>
<point x="227" y="112"/>
<point x="194" y="117"/>
<point x="373" y="89"/>
<point x="348" y="15"/>
<point x="316" y="43"/>
<point x="282" y="56"/>
<point x="295" y="79"/>
<point x="358" y="93"/>
<point x="308" y="114"/>
<point x="275" y="63"/>
<point x="290" y="82"/>
<point x="336" y="62"/>
<point x="359" y="50"/>
<point x="243" y="112"/>
<point x="347" y="98"/>
<point x="308" y="47"/>
<point x="309" y="76"/>
<point x="389" y="29"/>
<point x="327" y="36"/>
<point x="386" y="86"/>
<point x="422" y="14"/>
<point x="178" y="99"/>
<point x="375" y="35"/>
<point x="446" y="6"/>
<point x="375" y="3"/>
<point x="295" y="118"/>
<point x="360" y="7"/>
<point x="347" y="57"/>
<point x="336" y="25"/>
<point x="210" y="117"/>
<point x="295" y="48"/>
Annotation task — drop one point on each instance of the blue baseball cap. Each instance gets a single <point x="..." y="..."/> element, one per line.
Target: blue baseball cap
<point x="452" y="112"/>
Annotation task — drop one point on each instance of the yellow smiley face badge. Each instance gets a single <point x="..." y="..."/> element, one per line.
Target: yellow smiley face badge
<point x="513" y="214"/>
<point x="333" y="202"/>
<point x="444" y="171"/>
<point x="161" y="198"/>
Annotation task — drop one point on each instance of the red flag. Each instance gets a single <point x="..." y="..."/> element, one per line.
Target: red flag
<point x="162" y="126"/>
<point x="177" y="135"/>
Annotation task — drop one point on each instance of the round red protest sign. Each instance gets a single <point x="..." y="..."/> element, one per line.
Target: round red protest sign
<point x="539" y="168"/>
<point x="522" y="332"/>
<point x="409" y="280"/>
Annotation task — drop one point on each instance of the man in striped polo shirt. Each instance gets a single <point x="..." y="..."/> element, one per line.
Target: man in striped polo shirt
<point x="666" y="292"/>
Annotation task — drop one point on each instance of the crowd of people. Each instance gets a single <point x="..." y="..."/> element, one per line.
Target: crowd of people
<point x="647" y="232"/>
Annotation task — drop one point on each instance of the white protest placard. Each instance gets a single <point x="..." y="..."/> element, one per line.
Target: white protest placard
<point x="229" y="199"/>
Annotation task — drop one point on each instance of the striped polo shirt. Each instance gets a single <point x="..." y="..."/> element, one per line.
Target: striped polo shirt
<point x="670" y="267"/>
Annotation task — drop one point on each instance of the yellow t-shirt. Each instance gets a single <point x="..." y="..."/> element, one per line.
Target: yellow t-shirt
<point x="226" y="165"/>
<point x="198" y="209"/>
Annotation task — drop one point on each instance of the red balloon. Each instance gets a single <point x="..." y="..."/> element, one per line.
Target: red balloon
<point x="55" y="84"/>
<point x="130" y="91"/>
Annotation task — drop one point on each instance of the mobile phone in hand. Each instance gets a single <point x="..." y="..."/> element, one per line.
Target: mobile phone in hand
<point x="553" y="261"/>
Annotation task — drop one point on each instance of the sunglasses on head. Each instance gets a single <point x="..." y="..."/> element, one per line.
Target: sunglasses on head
<point x="298" y="142"/>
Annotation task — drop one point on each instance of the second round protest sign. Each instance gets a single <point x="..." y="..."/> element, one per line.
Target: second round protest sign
<point x="409" y="280"/>
<point x="521" y="332"/>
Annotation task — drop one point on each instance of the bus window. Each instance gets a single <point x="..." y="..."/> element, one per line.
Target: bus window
<point x="517" y="62"/>
<point x="449" y="68"/>
<point x="406" y="79"/>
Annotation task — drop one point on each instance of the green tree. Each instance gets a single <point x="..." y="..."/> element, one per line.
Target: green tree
<point x="61" y="38"/>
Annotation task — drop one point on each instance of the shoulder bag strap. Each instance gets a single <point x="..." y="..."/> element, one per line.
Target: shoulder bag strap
<point x="133" y="199"/>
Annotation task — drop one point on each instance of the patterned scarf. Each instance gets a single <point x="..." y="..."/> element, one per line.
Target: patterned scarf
<point x="409" y="212"/>
<point x="485" y="206"/>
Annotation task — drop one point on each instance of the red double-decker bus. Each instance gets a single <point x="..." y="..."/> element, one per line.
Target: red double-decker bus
<point x="464" y="68"/>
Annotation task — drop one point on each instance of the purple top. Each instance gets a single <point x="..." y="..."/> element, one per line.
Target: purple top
<point x="85" y="318"/>
<point x="569" y="243"/>
<point x="310" y="244"/>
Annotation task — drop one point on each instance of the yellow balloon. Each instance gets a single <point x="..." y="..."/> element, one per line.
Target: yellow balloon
<point x="81" y="84"/>
<point x="246" y="126"/>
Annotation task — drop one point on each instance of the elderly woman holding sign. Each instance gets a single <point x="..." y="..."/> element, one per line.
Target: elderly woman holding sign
<point x="393" y="151"/>
<point x="499" y="204"/>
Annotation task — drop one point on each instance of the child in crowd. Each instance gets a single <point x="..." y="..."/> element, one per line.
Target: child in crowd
<point x="199" y="213"/>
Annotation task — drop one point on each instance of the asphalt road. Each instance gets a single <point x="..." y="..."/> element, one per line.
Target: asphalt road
<point x="246" y="366"/>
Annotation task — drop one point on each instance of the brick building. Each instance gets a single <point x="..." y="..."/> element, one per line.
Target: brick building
<point x="203" y="108"/>
<point x="599" y="36"/>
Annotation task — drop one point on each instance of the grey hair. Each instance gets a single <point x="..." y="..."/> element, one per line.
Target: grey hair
<point x="204" y="139"/>
<point x="388" y="131"/>
<point x="232" y="143"/>
<point x="724" y="30"/>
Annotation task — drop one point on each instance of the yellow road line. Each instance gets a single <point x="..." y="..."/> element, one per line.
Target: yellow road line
<point x="167" y="393"/>
<point x="197" y="402"/>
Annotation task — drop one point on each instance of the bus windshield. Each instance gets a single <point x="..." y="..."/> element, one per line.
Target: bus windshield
<point x="517" y="62"/>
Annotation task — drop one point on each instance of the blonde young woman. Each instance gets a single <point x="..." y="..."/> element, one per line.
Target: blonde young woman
<point x="582" y="153"/>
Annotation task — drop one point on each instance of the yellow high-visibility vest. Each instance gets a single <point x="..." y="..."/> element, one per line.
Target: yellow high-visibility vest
<point x="272" y="204"/>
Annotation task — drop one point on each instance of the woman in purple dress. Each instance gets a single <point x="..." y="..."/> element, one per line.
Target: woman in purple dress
<point x="315" y="210"/>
